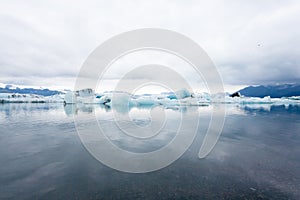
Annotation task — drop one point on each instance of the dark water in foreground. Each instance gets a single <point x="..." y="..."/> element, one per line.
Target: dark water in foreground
<point x="256" y="157"/>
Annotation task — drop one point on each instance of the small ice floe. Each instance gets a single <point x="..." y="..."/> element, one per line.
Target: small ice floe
<point x="86" y="96"/>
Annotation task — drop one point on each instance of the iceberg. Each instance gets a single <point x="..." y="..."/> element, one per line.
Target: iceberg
<point x="29" y="98"/>
<point x="104" y="100"/>
<point x="173" y="99"/>
<point x="146" y="100"/>
<point x="180" y="94"/>
<point x="86" y="96"/>
<point x="70" y="98"/>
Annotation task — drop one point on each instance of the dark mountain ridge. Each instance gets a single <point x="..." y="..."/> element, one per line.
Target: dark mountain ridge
<point x="274" y="91"/>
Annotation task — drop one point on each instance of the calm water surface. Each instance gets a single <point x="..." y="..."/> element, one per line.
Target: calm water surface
<point x="256" y="157"/>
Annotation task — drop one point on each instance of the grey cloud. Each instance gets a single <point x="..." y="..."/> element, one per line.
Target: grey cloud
<point x="255" y="42"/>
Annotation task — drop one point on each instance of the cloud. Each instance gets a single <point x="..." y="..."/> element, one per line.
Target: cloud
<point x="252" y="42"/>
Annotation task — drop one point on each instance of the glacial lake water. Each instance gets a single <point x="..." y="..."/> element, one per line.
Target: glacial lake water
<point x="256" y="157"/>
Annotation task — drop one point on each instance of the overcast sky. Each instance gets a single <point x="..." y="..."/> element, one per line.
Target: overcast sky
<point x="44" y="43"/>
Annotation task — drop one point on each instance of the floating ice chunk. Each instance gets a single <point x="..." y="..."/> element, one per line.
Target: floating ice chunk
<point x="104" y="100"/>
<point x="57" y="98"/>
<point x="70" y="98"/>
<point x="4" y="95"/>
<point x="168" y="102"/>
<point x="86" y="96"/>
<point x="21" y="98"/>
<point x="146" y="100"/>
<point x="255" y="100"/>
<point x="203" y="97"/>
<point x="85" y="92"/>
<point x="180" y="94"/>
<point x="183" y="93"/>
<point x="192" y="102"/>
<point x="121" y="99"/>
<point x="29" y="98"/>
<point x="248" y="100"/>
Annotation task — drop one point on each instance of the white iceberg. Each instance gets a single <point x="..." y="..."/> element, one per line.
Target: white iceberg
<point x="180" y="98"/>
<point x="70" y="98"/>
<point x="86" y="96"/>
<point x="146" y="100"/>
<point x="29" y="98"/>
<point x="183" y="93"/>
